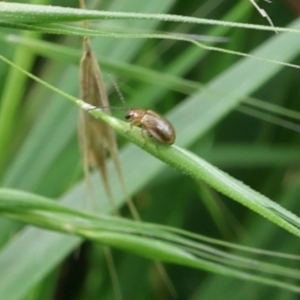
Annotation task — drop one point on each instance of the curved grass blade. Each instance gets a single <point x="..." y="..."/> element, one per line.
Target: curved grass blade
<point x="150" y="241"/>
<point x="39" y="14"/>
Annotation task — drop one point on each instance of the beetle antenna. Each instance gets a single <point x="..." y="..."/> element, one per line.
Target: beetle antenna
<point x="113" y="107"/>
<point x="117" y="89"/>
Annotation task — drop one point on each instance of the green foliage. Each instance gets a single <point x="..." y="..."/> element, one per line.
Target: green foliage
<point x="205" y="94"/>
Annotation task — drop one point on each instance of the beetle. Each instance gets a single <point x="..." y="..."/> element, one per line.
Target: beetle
<point x="154" y="124"/>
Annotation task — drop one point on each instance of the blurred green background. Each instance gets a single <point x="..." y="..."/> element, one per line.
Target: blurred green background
<point x="253" y="142"/>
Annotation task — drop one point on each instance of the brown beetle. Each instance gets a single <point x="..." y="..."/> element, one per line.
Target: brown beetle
<point x="154" y="124"/>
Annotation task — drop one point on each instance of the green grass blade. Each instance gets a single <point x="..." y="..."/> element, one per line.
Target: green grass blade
<point x="142" y="239"/>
